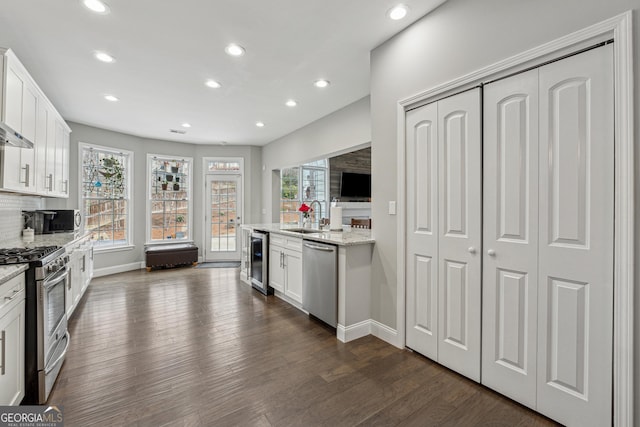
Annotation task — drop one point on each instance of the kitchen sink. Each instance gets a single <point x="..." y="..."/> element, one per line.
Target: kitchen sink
<point x="302" y="230"/>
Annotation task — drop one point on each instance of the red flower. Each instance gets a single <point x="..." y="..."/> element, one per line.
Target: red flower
<point x="305" y="209"/>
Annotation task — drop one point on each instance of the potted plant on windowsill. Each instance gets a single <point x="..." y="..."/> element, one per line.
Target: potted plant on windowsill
<point x="176" y="186"/>
<point x="164" y="185"/>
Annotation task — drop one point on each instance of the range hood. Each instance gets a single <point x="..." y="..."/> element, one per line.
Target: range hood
<point x="10" y="137"/>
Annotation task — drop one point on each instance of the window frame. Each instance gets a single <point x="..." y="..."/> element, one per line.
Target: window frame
<point x="129" y="168"/>
<point x="149" y="201"/>
<point x="301" y="197"/>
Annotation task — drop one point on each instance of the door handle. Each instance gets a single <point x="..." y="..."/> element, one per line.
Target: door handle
<point x="491" y="252"/>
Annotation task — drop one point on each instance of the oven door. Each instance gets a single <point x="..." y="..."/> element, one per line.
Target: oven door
<point x="52" y="318"/>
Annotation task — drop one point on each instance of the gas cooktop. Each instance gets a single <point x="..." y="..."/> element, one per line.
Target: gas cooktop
<point x="24" y="255"/>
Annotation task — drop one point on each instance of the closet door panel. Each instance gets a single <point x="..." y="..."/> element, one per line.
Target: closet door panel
<point x="460" y="158"/>
<point x="576" y="239"/>
<point x="422" y="230"/>
<point x="510" y="273"/>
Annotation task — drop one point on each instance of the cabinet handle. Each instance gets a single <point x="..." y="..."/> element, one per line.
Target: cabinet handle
<point x="66" y="186"/>
<point x="3" y="338"/>
<point x="50" y="182"/>
<point x="491" y="252"/>
<point x="472" y="250"/>
<point x="13" y="295"/>
<point x="69" y="278"/>
<point x="26" y="175"/>
<point x="84" y="263"/>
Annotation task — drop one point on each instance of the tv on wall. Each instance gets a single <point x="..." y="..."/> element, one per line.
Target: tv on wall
<point x="357" y="185"/>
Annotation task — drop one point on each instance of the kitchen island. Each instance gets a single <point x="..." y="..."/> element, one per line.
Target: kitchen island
<point x="355" y="249"/>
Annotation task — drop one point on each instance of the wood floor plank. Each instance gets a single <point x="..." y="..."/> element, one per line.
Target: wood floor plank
<point x="190" y="347"/>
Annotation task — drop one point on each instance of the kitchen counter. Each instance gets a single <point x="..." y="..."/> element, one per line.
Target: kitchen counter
<point x="55" y="239"/>
<point x="8" y="272"/>
<point x="340" y="238"/>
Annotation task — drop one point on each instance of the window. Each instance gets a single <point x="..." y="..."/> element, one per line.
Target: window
<point x="169" y="201"/>
<point x="105" y="194"/>
<point x="304" y="184"/>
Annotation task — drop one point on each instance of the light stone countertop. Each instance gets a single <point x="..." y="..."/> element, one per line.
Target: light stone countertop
<point x="340" y="238"/>
<point x="55" y="239"/>
<point x="8" y="272"/>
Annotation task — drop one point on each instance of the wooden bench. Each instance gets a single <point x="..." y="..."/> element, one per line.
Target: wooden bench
<point x="171" y="255"/>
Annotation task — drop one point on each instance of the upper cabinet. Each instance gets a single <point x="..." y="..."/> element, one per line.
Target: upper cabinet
<point x="44" y="169"/>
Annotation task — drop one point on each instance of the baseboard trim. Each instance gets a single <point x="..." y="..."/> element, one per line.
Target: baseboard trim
<point x="385" y="333"/>
<point x="353" y="332"/>
<point x="106" y="271"/>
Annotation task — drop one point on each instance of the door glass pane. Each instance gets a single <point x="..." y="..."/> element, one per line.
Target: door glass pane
<point x="223" y="216"/>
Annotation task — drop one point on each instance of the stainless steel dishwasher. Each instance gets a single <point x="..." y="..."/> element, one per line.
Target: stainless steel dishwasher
<point x="320" y="281"/>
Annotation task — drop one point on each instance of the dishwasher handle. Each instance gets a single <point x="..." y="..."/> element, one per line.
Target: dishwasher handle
<point x="320" y="248"/>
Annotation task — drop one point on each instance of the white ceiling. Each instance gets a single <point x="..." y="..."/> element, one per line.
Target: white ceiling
<point x="165" y="50"/>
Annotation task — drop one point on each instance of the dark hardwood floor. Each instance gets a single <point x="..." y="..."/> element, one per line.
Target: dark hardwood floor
<point x="191" y="347"/>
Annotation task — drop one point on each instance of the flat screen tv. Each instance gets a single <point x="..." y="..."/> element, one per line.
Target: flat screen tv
<point x="355" y="185"/>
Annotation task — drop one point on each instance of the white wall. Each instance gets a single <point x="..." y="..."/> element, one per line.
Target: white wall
<point x="459" y="37"/>
<point x="337" y="133"/>
<point x="140" y="148"/>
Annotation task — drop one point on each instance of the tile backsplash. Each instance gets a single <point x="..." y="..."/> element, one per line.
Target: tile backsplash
<point x="11" y="207"/>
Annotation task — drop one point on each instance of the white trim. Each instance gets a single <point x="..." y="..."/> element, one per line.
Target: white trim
<point x="107" y="249"/>
<point x="206" y="174"/>
<point x="107" y="271"/>
<point x="619" y="28"/>
<point x="190" y="232"/>
<point x="386" y="333"/>
<point x="353" y="332"/>
<point x="129" y="177"/>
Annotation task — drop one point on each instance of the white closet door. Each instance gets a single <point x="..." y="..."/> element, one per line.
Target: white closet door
<point x="459" y="246"/>
<point x="422" y="230"/>
<point x="510" y="266"/>
<point x="575" y="302"/>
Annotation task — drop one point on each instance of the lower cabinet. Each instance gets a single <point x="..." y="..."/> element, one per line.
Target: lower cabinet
<point x="80" y="273"/>
<point x="285" y="266"/>
<point x="12" y="341"/>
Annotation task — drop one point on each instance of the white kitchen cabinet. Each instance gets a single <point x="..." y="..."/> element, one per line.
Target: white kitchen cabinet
<point x="44" y="169"/>
<point x="12" y="318"/>
<point x="80" y="272"/>
<point x="285" y="266"/>
<point x="245" y="255"/>
<point x="20" y="108"/>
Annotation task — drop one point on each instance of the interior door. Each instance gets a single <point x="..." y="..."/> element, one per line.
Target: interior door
<point x="460" y="222"/>
<point x="223" y="217"/>
<point x="510" y="237"/>
<point x="576" y="239"/>
<point x="422" y="230"/>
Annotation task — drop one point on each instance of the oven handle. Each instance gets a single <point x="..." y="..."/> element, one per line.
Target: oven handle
<point x="64" y="353"/>
<point x="50" y="283"/>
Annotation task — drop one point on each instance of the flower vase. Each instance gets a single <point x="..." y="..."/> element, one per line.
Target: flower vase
<point x="306" y="223"/>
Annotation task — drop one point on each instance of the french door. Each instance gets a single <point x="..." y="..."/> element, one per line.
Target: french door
<point x="223" y="208"/>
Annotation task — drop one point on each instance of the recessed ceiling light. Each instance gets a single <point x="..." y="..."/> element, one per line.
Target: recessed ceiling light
<point x="322" y="83"/>
<point x="213" y="84"/>
<point x="234" y="49"/>
<point x="260" y="124"/>
<point x="186" y="125"/>
<point x="398" y="12"/>
<point x="96" y="6"/>
<point x="104" y="57"/>
<point x="291" y="103"/>
<point x="111" y="98"/>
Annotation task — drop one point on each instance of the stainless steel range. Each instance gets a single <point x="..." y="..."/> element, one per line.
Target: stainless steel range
<point x="46" y="335"/>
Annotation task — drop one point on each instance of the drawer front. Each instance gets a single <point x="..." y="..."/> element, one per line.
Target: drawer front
<point x="294" y="244"/>
<point x="11" y="291"/>
<point x="277" y="239"/>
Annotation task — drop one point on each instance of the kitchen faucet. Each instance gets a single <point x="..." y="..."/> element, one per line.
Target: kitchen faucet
<point x="319" y="210"/>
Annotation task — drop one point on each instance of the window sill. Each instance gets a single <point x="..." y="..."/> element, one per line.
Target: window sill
<point x="113" y="249"/>
<point x="169" y="242"/>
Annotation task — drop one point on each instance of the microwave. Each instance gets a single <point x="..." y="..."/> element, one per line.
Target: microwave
<point x="64" y="221"/>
